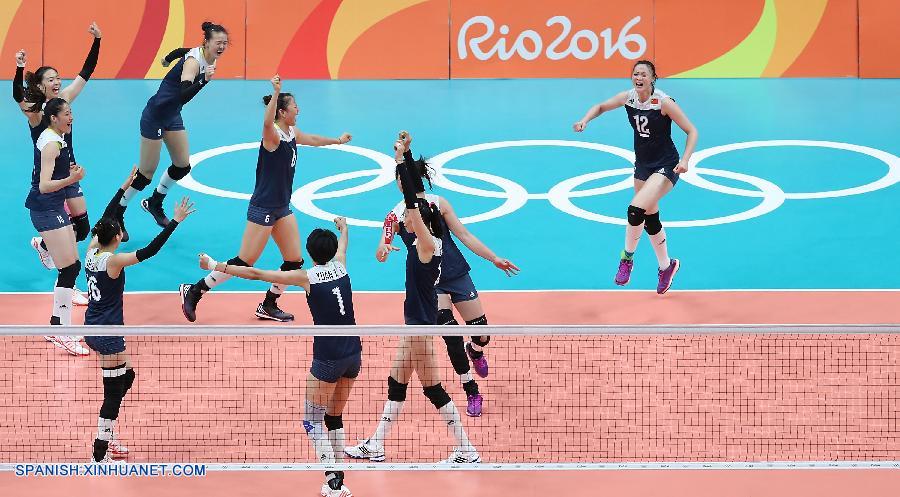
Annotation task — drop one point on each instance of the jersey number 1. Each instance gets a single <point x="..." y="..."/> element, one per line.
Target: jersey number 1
<point x="337" y="293"/>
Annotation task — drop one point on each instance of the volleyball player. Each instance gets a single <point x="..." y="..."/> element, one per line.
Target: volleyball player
<point x="656" y="167"/>
<point x="420" y="228"/>
<point x="42" y="85"/>
<point x="161" y="122"/>
<point x="105" y="270"/>
<point x="455" y="288"/>
<point x="269" y="213"/>
<point x="336" y="359"/>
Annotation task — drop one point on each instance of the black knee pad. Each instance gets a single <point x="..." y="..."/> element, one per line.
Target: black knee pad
<point x="113" y="392"/>
<point x="652" y="224"/>
<point x="456" y="350"/>
<point x="68" y="275"/>
<point x="82" y="227"/>
<point x="481" y="341"/>
<point x="437" y="395"/>
<point x="177" y="173"/>
<point x="334" y="422"/>
<point x="479" y="321"/>
<point x="635" y="215"/>
<point x="396" y="390"/>
<point x="292" y="265"/>
<point x="140" y="181"/>
<point x="236" y="261"/>
<point x="129" y="381"/>
<point x="445" y="318"/>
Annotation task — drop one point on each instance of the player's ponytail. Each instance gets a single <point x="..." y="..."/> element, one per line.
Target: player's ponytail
<point x="105" y="230"/>
<point x="210" y="28"/>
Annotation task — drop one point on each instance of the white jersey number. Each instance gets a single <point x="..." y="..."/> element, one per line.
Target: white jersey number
<point x="640" y="124"/>
<point x="93" y="289"/>
<point x="337" y="293"/>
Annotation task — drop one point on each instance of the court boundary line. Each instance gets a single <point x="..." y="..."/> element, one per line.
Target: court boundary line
<point x="437" y="330"/>
<point x="573" y="290"/>
<point x="614" y="466"/>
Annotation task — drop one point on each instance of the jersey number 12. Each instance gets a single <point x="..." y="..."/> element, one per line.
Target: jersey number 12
<point x="640" y="124"/>
<point x="337" y="293"/>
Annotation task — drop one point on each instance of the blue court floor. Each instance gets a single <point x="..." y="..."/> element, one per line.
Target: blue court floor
<point x="797" y="185"/>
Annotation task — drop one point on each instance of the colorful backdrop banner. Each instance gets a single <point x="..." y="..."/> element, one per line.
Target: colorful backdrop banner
<point x="439" y="39"/>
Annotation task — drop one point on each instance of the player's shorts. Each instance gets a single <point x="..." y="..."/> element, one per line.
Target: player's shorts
<point x="74" y="190"/>
<point x="331" y="370"/>
<point x="106" y="344"/>
<point x="460" y="289"/>
<point x="152" y="127"/>
<point x="49" y="220"/>
<point x="267" y="216"/>
<point x="642" y="173"/>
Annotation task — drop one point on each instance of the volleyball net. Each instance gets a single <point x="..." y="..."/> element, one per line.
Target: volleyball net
<point x="553" y="395"/>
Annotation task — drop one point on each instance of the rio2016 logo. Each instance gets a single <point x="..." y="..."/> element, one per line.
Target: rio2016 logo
<point x="529" y="44"/>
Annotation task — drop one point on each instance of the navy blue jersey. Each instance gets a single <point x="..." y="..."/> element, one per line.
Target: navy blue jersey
<point x="167" y="100"/>
<point x="330" y="301"/>
<point x="421" y="303"/>
<point x="105" y="305"/>
<point x="53" y="200"/>
<point x="36" y="133"/>
<point x="653" y="145"/>
<point x="275" y="172"/>
<point x="453" y="263"/>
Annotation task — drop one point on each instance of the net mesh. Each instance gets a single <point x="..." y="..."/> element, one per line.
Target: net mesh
<point x="548" y="398"/>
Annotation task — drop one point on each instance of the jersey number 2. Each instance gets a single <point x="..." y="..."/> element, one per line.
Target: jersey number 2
<point x="337" y="293"/>
<point x="640" y="123"/>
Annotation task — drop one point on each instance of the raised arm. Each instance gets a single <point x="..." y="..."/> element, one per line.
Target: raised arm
<point x="595" y="111"/>
<point x="472" y="242"/>
<point x="269" y="133"/>
<point x="671" y="109"/>
<point x="341" y="255"/>
<point x="112" y="207"/>
<point x="119" y="261"/>
<point x="297" y="277"/>
<point x="71" y="92"/>
<point x="385" y="246"/>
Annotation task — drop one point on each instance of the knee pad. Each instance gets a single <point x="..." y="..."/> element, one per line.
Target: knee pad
<point x="129" y="380"/>
<point x="481" y="341"/>
<point x="68" y="275"/>
<point x="140" y="181"/>
<point x="236" y="261"/>
<point x="291" y="265"/>
<point x="479" y="321"/>
<point x="437" y="395"/>
<point x="334" y="422"/>
<point x="82" y="227"/>
<point x="445" y="318"/>
<point x="456" y="350"/>
<point x="635" y="215"/>
<point x="396" y="390"/>
<point x="177" y="173"/>
<point x="652" y="225"/>
<point x="113" y="392"/>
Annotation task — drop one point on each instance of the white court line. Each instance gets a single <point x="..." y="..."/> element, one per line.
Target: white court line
<point x="436" y="330"/>
<point x="536" y="290"/>
<point x="737" y="465"/>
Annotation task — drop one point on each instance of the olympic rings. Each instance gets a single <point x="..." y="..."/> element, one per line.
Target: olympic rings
<point x="515" y="196"/>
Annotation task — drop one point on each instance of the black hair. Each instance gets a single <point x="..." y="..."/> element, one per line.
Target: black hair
<point x="321" y="244"/>
<point x="652" y="72"/>
<point x="209" y="28"/>
<point x="53" y="108"/>
<point x="422" y="168"/>
<point x="284" y="99"/>
<point x="106" y="230"/>
<point x="33" y="91"/>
